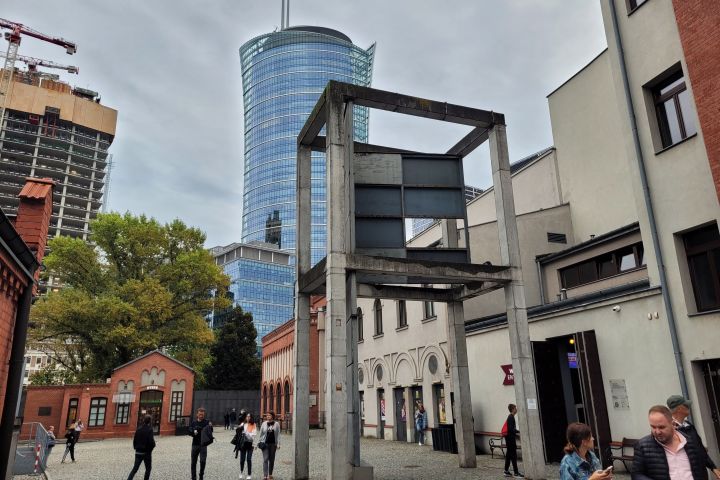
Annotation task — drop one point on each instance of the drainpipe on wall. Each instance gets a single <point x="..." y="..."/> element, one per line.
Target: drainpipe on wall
<point x="649" y="206"/>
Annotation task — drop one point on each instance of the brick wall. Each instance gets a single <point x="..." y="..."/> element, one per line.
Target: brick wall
<point x="699" y="26"/>
<point x="12" y="284"/>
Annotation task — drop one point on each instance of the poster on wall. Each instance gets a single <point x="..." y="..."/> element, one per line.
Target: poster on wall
<point x="618" y="390"/>
<point x="440" y="399"/>
<point x="509" y="374"/>
<point x="382" y="409"/>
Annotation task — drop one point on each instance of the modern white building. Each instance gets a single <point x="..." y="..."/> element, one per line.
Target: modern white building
<point x="620" y="254"/>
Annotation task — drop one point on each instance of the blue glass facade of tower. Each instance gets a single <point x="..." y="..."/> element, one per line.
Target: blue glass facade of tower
<point x="262" y="282"/>
<point x="283" y="74"/>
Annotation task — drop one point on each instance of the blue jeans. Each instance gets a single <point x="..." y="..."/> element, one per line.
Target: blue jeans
<point x="420" y="435"/>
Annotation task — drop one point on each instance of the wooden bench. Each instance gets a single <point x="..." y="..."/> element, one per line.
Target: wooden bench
<point x="623" y="452"/>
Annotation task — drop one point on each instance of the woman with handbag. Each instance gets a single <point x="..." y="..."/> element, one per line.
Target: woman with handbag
<point x="269" y="442"/>
<point x="247" y="432"/>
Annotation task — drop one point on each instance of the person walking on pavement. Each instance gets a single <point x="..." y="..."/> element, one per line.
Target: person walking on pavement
<point x="246" y="434"/>
<point x="420" y="423"/>
<point x="198" y="450"/>
<point x="234" y="418"/>
<point x="50" y="441"/>
<point x="667" y="454"/>
<point x="580" y="462"/>
<point x="511" y="444"/>
<point x="69" y="443"/>
<point x="680" y="408"/>
<point x="269" y="443"/>
<point x="143" y="443"/>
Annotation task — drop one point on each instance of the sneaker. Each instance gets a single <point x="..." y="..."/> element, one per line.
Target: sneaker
<point x="507" y="473"/>
<point x="519" y="475"/>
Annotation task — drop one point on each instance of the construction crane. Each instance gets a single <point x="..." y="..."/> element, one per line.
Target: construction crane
<point x="32" y="64"/>
<point x="13" y="37"/>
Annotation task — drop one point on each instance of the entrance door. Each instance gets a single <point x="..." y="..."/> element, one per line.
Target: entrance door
<point x="594" y="402"/>
<point x="400" y="415"/>
<point x="711" y="374"/>
<point x="381" y="413"/>
<point x="551" y="399"/>
<point x="151" y="404"/>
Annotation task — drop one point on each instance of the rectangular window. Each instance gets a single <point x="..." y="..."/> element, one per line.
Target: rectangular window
<point x="360" y="319"/>
<point x="72" y="412"/>
<point x="176" y="404"/>
<point x="44" y="411"/>
<point x="429" y="309"/>
<point x="702" y="248"/>
<point x="98" y="406"/>
<point x="377" y="310"/>
<point x="675" y="115"/>
<point x="402" y="314"/>
<point x="122" y="413"/>
<point x="603" y="266"/>
<point x="633" y="4"/>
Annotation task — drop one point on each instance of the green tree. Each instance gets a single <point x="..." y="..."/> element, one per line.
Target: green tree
<point x="50" y="375"/>
<point x="234" y="364"/>
<point x="139" y="286"/>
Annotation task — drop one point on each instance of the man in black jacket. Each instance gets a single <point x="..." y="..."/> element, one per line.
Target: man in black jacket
<point x="198" y="449"/>
<point x="143" y="443"/>
<point x="511" y="444"/>
<point x="666" y="454"/>
<point x="680" y="408"/>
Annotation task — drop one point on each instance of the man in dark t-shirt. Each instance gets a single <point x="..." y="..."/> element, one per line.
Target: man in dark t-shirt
<point x="511" y="444"/>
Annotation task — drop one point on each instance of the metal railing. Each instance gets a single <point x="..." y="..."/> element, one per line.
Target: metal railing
<point x="31" y="436"/>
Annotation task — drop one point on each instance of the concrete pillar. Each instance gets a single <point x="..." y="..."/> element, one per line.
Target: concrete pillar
<point x="301" y="348"/>
<point x="520" y="349"/>
<point x="460" y="374"/>
<point x="338" y="151"/>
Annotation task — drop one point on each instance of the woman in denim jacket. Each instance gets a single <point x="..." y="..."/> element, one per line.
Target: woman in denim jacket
<point x="580" y="462"/>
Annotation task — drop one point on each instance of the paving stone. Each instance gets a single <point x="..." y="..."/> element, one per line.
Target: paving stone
<point x="113" y="459"/>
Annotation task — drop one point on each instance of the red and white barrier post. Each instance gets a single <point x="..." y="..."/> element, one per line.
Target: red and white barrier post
<point x="37" y="457"/>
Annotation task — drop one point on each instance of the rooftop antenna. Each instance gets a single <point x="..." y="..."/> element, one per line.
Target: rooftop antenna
<point x="285" y="15"/>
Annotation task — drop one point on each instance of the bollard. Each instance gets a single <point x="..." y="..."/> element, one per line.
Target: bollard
<point x="37" y="457"/>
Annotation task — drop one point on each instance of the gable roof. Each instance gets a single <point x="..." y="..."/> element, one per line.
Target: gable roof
<point x="150" y="353"/>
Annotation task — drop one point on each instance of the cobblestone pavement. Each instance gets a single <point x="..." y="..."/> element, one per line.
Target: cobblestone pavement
<point x="112" y="459"/>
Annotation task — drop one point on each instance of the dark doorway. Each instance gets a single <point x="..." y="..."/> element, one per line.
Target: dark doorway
<point x="151" y="404"/>
<point x="400" y="415"/>
<point x="570" y="389"/>
<point x="711" y="374"/>
<point x="416" y="394"/>
<point x="381" y="413"/>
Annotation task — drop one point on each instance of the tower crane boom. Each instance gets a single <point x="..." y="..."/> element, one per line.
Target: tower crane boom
<point x="33" y="63"/>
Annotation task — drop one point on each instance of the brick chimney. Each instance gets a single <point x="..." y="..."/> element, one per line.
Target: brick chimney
<point x="33" y="217"/>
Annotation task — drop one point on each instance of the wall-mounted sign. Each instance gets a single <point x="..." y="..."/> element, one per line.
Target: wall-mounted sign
<point x="152" y="387"/>
<point x="509" y="375"/>
<point x="619" y="394"/>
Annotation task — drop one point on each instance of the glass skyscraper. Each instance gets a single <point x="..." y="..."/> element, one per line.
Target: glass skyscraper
<point x="283" y="74"/>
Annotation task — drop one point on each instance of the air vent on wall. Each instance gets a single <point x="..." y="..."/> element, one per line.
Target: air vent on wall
<point x="556" y="237"/>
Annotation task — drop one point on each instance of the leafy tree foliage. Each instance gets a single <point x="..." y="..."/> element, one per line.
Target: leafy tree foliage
<point x="50" y="375"/>
<point x="140" y="286"/>
<point x="234" y="364"/>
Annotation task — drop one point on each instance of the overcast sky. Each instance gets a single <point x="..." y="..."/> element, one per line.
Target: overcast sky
<point x="171" y="69"/>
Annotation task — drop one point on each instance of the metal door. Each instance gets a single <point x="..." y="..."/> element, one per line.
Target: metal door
<point x="400" y="415"/>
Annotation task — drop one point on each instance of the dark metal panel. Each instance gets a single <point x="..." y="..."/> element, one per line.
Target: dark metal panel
<point x="434" y="202"/>
<point x="378" y="201"/>
<point x="454" y="255"/>
<point x="435" y="170"/>
<point x="379" y="232"/>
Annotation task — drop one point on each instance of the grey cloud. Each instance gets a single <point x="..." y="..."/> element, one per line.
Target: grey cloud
<point x="171" y="69"/>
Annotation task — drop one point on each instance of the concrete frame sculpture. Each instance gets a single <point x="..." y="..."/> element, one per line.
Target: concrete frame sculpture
<point x="348" y="272"/>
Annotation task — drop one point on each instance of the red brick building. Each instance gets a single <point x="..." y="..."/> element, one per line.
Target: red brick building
<point x="277" y="366"/>
<point x="153" y="384"/>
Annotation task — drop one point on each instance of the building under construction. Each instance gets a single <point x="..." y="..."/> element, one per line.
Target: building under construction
<point x="55" y="131"/>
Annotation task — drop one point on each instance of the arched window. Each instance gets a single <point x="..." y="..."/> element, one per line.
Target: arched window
<point x="265" y="399"/>
<point x="271" y="400"/>
<point x="377" y="308"/>
<point x="286" y="410"/>
<point x="278" y="400"/>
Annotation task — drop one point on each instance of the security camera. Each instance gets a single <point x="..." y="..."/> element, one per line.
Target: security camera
<point x="616" y="308"/>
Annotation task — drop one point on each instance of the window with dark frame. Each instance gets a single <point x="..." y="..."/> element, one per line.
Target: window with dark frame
<point x="72" y="411"/>
<point x="603" y="266"/>
<point x="429" y="310"/>
<point x="176" y="404"/>
<point x="402" y="314"/>
<point x="44" y="411"/>
<point x="673" y="107"/>
<point x="377" y="309"/>
<point x="122" y="413"/>
<point x="98" y="406"/>
<point x="360" y="324"/>
<point x="633" y="4"/>
<point x="702" y="247"/>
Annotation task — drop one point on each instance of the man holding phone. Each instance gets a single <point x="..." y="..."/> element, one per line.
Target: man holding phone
<point x="666" y="453"/>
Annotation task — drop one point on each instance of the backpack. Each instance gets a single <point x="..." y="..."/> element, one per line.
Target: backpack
<point x="504" y="430"/>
